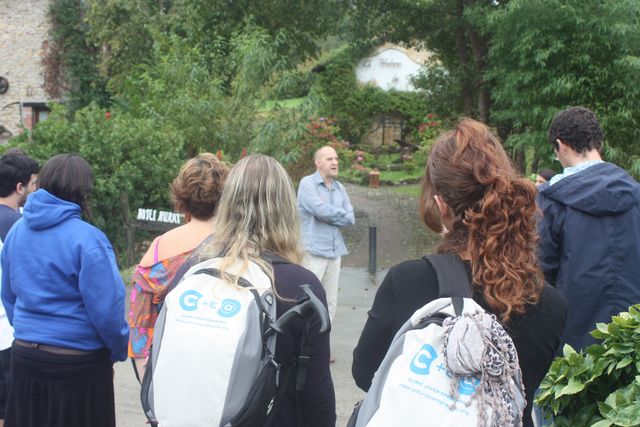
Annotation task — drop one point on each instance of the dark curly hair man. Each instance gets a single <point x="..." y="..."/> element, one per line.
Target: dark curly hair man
<point x="577" y="127"/>
<point x="590" y="229"/>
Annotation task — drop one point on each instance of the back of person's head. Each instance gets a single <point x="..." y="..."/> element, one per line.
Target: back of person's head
<point x="15" y="151"/>
<point x="547" y="173"/>
<point x="68" y="177"/>
<point x="493" y="215"/>
<point x="578" y="127"/>
<point x="257" y="212"/>
<point x="197" y="188"/>
<point x="15" y="169"/>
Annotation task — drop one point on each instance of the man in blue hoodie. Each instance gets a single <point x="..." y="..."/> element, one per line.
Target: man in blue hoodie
<point x="590" y="229"/>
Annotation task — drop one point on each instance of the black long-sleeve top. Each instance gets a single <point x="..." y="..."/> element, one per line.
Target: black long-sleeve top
<point x="317" y="399"/>
<point x="412" y="284"/>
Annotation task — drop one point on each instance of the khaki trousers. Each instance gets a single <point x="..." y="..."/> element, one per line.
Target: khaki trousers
<point x="327" y="270"/>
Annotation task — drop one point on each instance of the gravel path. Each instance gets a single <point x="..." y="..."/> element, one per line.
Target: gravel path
<point x="400" y="234"/>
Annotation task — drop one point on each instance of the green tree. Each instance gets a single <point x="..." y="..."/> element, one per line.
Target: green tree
<point x="126" y="29"/>
<point x="123" y="30"/>
<point x="178" y="88"/>
<point x="450" y="29"/>
<point x="547" y="55"/>
<point x="514" y="64"/>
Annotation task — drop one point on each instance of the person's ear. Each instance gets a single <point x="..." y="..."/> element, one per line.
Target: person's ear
<point x="443" y="208"/>
<point x="562" y="147"/>
<point x="20" y="188"/>
<point x="446" y="215"/>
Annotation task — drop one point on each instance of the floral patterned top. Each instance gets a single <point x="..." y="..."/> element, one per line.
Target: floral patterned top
<point x="146" y="294"/>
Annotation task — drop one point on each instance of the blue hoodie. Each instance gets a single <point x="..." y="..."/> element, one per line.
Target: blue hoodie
<point x="590" y="246"/>
<point x="60" y="281"/>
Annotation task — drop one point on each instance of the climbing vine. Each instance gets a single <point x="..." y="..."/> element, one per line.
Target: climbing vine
<point x="70" y="59"/>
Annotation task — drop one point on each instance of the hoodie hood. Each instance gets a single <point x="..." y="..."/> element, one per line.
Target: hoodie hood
<point x="44" y="210"/>
<point x="600" y="190"/>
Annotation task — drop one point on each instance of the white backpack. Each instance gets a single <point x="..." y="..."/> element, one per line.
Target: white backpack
<point x="434" y="373"/>
<point x="211" y="362"/>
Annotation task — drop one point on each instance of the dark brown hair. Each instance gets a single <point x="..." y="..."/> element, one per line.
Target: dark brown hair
<point x="577" y="127"/>
<point x="15" y="168"/>
<point x="494" y="215"/>
<point x="197" y="188"/>
<point x="547" y="173"/>
<point x="68" y="177"/>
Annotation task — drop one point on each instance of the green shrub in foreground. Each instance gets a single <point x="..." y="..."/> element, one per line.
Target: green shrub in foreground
<point x="600" y="386"/>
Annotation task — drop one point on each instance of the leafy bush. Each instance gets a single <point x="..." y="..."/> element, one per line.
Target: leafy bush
<point x="138" y="157"/>
<point x="429" y="130"/>
<point x="599" y="387"/>
<point x="319" y="131"/>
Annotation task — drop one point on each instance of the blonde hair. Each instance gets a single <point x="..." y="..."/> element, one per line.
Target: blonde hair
<point x="257" y="214"/>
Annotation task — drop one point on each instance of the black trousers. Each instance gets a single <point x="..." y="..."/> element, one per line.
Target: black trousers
<point x="5" y="366"/>
<point x="53" y="390"/>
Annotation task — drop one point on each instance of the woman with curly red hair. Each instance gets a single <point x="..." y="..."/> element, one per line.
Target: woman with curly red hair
<point x="487" y="216"/>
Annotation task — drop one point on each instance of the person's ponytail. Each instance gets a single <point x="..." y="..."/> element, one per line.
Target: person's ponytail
<point x="493" y="215"/>
<point x="502" y="242"/>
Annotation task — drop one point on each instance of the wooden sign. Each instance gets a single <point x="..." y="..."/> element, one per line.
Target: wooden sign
<point x="154" y="215"/>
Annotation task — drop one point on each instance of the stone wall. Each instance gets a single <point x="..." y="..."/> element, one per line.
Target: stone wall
<point x="23" y="29"/>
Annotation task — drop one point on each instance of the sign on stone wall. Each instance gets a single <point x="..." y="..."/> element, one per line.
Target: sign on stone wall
<point x="390" y="68"/>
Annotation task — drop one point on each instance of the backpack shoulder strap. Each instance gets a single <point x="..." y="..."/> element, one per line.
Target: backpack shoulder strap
<point x="453" y="278"/>
<point x="273" y="258"/>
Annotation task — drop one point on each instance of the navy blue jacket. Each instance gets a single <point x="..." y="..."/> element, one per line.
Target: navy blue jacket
<point x="590" y="246"/>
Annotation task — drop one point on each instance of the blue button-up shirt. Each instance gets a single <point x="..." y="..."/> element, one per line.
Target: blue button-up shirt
<point x="573" y="169"/>
<point x="323" y="211"/>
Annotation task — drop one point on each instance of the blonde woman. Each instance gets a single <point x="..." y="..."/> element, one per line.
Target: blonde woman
<point x="195" y="192"/>
<point x="257" y="215"/>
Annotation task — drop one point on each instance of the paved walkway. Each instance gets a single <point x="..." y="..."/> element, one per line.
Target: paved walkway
<point x="357" y="289"/>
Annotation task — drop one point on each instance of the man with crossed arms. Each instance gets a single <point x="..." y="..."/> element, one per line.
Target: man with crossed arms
<point x="324" y="208"/>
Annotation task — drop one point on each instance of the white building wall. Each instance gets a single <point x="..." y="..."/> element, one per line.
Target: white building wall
<point x="390" y="68"/>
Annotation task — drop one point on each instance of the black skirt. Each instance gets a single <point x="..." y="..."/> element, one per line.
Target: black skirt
<point x="53" y="390"/>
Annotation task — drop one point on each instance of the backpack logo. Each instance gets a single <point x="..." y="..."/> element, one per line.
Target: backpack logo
<point x="189" y="300"/>
<point x="421" y="362"/>
<point x="229" y="308"/>
<point x="468" y="385"/>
